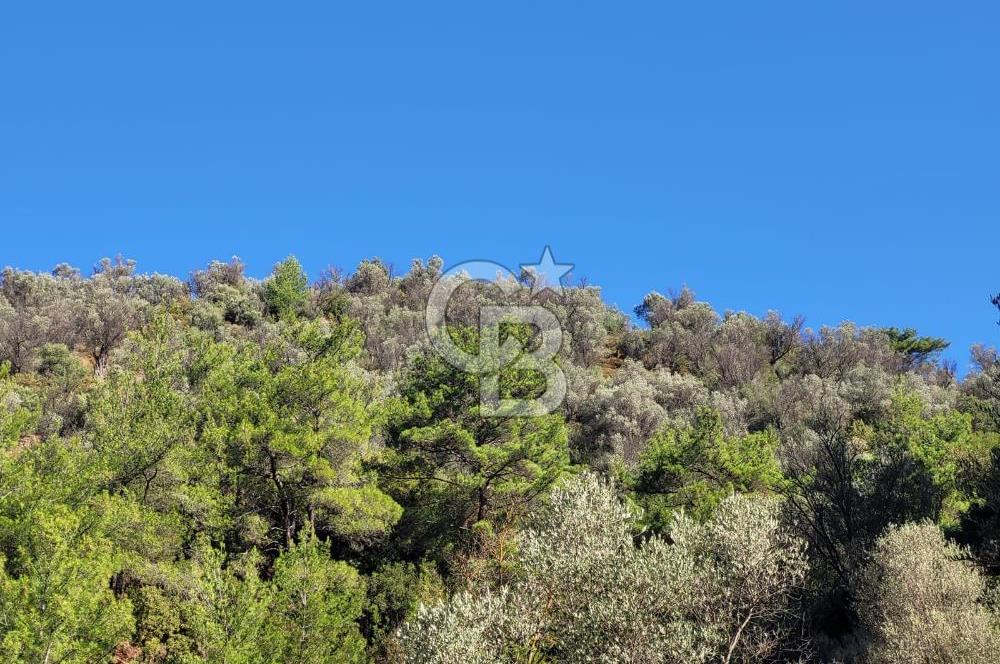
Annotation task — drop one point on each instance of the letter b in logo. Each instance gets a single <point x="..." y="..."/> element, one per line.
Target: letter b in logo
<point x="495" y="355"/>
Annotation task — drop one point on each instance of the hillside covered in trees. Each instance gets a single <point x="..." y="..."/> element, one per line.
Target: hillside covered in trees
<point x="244" y="471"/>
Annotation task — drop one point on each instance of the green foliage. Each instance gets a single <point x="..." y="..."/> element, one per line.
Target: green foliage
<point x="160" y="625"/>
<point x="55" y="601"/>
<point x="231" y="608"/>
<point x="395" y="591"/>
<point x="292" y="436"/>
<point x="287" y="289"/>
<point x="947" y="456"/>
<point x="912" y="345"/>
<point x="19" y="411"/>
<point x="56" y="361"/>
<point x="317" y="602"/>
<point x="452" y="468"/>
<point x="141" y="417"/>
<point x="980" y="526"/>
<point x="696" y="467"/>
<point x="981" y="396"/>
<point x="258" y="472"/>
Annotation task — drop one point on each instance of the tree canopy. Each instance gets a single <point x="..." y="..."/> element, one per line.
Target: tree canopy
<point x="249" y="471"/>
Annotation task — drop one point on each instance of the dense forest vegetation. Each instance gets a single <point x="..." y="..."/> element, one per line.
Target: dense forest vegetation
<point x="238" y="471"/>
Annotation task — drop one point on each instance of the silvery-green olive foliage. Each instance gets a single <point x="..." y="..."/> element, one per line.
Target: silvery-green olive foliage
<point x="93" y="314"/>
<point x="224" y="293"/>
<point x="467" y="629"/>
<point x="389" y="309"/>
<point x="371" y="278"/>
<point x="390" y="332"/>
<point x="740" y="350"/>
<point x="34" y="309"/>
<point x="734" y="409"/>
<point x="21" y="332"/>
<point x="586" y="592"/>
<point x="921" y="601"/>
<point x="588" y="324"/>
<point x="620" y="416"/>
<point x="681" y="332"/>
<point x="105" y="316"/>
<point x="622" y="413"/>
<point x="937" y="390"/>
<point x="834" y="351"/>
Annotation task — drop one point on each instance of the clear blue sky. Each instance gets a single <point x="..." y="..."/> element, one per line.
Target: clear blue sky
<point x="838" y="160"/>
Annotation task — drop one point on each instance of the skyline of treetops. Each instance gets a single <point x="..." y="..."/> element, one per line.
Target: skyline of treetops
<point x="250" y="471"/>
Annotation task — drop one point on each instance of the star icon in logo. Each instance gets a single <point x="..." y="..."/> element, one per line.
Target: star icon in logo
<point x="547" y="274"/>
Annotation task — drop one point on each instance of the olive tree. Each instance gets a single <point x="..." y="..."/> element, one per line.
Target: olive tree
<point x="919" y="601"/>
<point x="585" y="592"/>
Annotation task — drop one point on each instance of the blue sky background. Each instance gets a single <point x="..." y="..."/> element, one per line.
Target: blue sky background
<point x="838" y="160"/>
